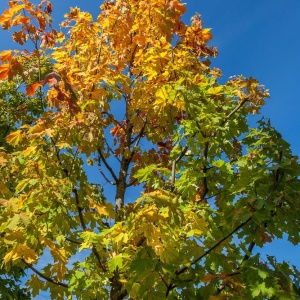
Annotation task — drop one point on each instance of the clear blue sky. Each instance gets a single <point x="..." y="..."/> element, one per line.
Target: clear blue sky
<point x="254" y="38"/>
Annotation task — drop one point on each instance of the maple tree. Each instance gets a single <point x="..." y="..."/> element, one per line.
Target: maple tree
<point x="127" y="107"/>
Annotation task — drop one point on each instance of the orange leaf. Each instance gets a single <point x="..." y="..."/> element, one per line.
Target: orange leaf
<point x="6" y="55"/>
<point x="4" y="70"/>
<point x="179" y="7"/>
<point x="5" y="17"/>
<point x="18" y="20"/>
<point x="206" y="35"/>
<point x="31" y="88"/>
<point x="20" y="37"/>
<point x="14" y="137"/>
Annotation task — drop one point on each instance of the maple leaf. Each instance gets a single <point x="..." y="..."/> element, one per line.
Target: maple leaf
<point x="20" y="37"/>
<point x="4" y="71"/>
<point x="6" y="55"/>
<point x="31" y="88"/>
<point x="14" y="137"/>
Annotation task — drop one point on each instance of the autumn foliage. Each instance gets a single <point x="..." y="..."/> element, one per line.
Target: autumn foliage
<point x="130" y="168"/>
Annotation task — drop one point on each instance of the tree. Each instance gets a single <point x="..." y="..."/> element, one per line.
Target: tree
<point x="126" y="107"/>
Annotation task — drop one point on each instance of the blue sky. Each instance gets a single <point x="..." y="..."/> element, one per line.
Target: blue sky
<point x="259" y="38"/>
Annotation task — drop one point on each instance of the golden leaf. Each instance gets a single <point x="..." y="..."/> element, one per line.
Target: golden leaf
<point x="14" y="137"/>
<point x="206" y="34"/>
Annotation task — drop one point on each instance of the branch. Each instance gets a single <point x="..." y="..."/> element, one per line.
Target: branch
<point x="133" y="182"/>
<point x="79" y="209"/>
<point x="214" y="246"/>
<point x="103" y="174"/>
<point x="111" y="150"/>
<point x="205" y="169"/>
<point x="84" y="228"/>
<point x="175" y="161"/>
<point x="236" y="272"/>
<point x="184" y="269"/>
<point x="139" y="136"/>
<point x="113" y="119"/>
<point x="108" y="167"/>
<point x="72" y="241"/>
<point x="49" y="279"/>
<point x="234" y="111"/>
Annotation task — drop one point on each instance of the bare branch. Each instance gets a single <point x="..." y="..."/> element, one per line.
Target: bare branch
<point x="103" y="174"/>
<point x="108" y="167"/>
<point x="133" y="182"/>
<point x="111" y="150"/>
<point x="214" y="246"/>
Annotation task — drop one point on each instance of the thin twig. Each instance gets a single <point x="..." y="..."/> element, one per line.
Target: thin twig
<point x="103" y="174"/>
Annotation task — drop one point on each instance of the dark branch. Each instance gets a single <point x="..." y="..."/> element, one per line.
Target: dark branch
<point x="171" y="286"/>
<point x="214" y="246"/>
<point x="103" y="174"/>
<point x="108" y="167"/>
<point x="49" y="279"/>
<point x="236" y="272"/>
<point x="72" y="241"/>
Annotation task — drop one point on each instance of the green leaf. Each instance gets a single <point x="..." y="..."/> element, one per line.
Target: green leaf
<point x="13" y="223"/>
<point x="115" y="262"/>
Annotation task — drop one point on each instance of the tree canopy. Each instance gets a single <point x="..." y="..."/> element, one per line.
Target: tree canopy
<point x="128" y="162"/>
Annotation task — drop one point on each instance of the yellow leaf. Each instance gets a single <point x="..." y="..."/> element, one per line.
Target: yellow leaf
<point x="29" y="255"/>
<point x="29" y="151"/>
<point x="106" y="210"/>
<point x="49" y="132"/>
<point x="60" y="269"/>
<point x="14" y="137"/>
<point x="206" y="34"/>
<point x="21" y="251"/>
<point x="218" y="90"/>
<point x="2" y="160"/>
<point x="38" y="128"/>
<point x="3" y="189"/>
<point x="8" y="257"/>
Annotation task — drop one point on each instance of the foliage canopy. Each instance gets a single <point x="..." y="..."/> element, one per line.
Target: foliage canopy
<point x="129" y="100"/>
